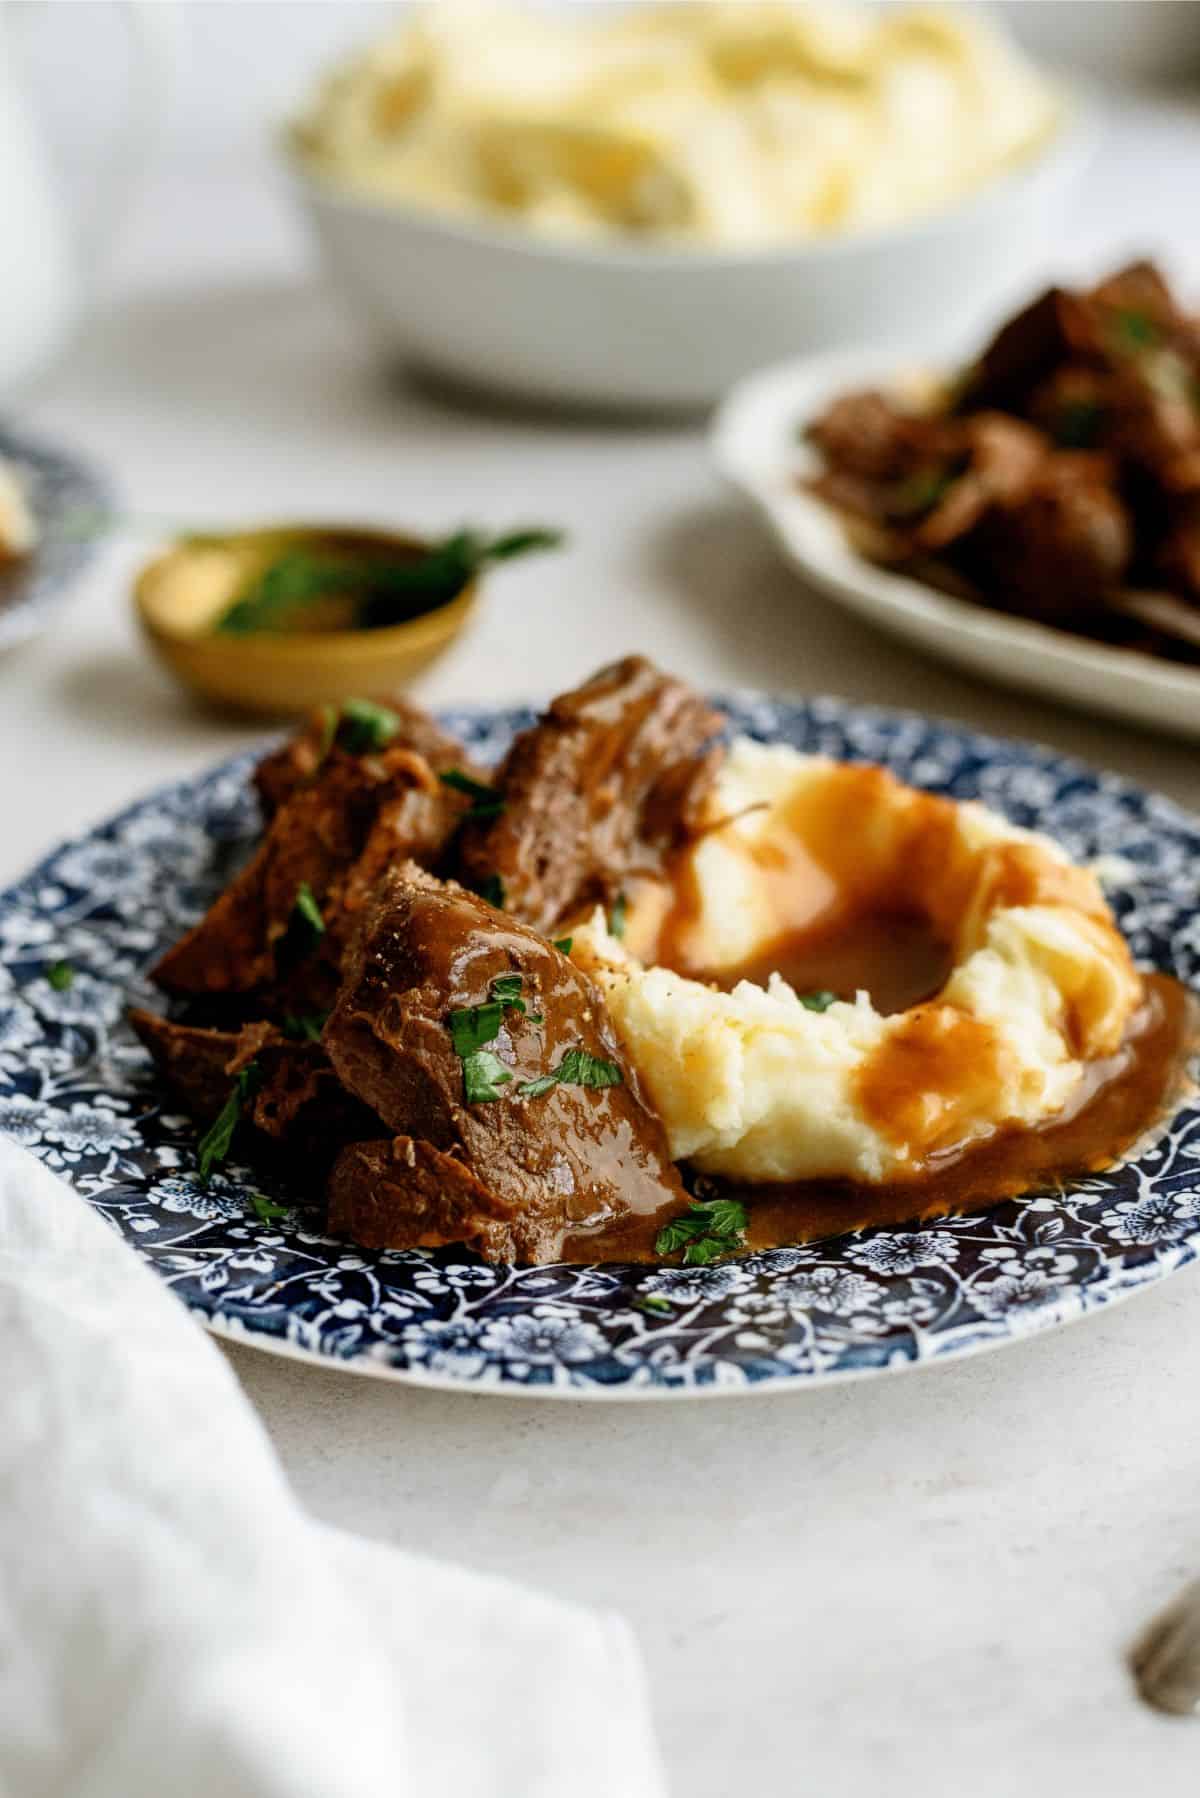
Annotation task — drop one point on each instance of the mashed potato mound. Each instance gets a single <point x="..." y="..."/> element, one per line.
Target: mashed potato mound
<point x="732" y="125"/>
<point x="755" y="1085"/>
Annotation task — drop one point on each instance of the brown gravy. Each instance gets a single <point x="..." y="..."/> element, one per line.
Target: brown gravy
<point x="1121" y="1098"/>
<point x="893" y="955"/>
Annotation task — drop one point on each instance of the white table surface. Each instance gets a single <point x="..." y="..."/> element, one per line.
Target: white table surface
<point x="917" y="1585"/>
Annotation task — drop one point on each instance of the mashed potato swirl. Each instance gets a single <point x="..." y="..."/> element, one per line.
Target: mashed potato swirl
<point x="754" y="1085"/>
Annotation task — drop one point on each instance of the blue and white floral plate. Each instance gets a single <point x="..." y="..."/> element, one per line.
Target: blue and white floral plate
<point x="69" y="502"/>
<point x="77" y="1089"/>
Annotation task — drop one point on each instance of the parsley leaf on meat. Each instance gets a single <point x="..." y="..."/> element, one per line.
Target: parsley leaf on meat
<point x="577" y="1068"/>
<point x="1134" y="330"/>
<point x="473" y="1027"/>
<point x="1077" y="424"/>
<point x="363" y="726"/>
<point x="919" y="492"/>
<point x="507" y="988"/>
<point x="306" y="1027"/>
<point x="483" y="1074"/>
<point x="488" y="803"/>
<point x="563" y="944"/>
<point x="491" y="891"/>
<point x="306" y="923"/>
<point x="214" y="1145"/>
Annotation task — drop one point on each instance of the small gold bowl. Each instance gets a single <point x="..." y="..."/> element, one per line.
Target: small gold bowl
<point x="181" y="593"/>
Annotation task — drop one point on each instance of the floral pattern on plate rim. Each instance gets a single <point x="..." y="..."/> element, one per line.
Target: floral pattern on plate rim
<point x="77" y="1089"/>
<point x="69" y="502"/>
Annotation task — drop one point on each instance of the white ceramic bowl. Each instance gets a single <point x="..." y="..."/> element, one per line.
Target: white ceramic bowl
<point x="653" y="328"/>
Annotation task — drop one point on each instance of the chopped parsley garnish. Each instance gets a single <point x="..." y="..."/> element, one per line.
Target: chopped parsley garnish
<point x="817" y="1001"/>
<point x="563" y="944"/>
<point x="1134" y="330"/>
<point x="919" y="492"/>
<point x="507" y="988"/>
<point x="709" y="1228"/>
<point x="617" y="916"/>
<point x="491" y="891"/>
<point x="306" y="923"/>
<point x="577" y="1068"/>
<point x="1077" y="424"/>
<point x="654" y="1303"/>
<point x="362" y="726"/>
<point x="265" y="1209"/>
<point x="383" y="590"/>
<point x="483" y="1075"/>
<point x="60" y="975"/>
<point x="306" y="1027"/>
<point x="473" y="1027"/>
<point x="487" y="802"/>
<point x="215" y="1143"/>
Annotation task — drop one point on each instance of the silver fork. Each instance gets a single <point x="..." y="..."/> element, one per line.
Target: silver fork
<point x="1165" y="1659"/>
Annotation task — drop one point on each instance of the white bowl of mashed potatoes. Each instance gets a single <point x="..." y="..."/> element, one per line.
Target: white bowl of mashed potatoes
<point x="636" y="206"/>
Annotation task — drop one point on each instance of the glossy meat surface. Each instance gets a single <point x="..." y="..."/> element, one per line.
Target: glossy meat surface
<point x="601" y="788"/>
<point x="564" y="1158"/>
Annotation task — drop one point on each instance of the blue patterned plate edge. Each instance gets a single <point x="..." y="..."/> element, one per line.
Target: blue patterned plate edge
<point x="64" y="491"/>
<point x="76" y="1089"/>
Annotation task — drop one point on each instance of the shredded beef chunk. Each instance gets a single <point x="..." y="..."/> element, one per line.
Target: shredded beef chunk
<point x="279" y="928"/>
<point x="1023" y="353"/>
<point x="194" y="1063"/>
<point x="402" y="1189"/>
<point x="1002" y="457"/>
<point x="1063" y="547"/>
<point x="517" y="1124"/>
<point x="297" y="1102"/>
<point x="601" y="788"/>
<point x="298" y="761"/>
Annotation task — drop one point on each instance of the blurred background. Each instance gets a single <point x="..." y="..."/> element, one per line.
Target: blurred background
<point x="213" y="376"/>
<point x="243" y="65"/>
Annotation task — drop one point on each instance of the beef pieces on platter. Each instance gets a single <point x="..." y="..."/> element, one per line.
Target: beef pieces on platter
<point x="1060" y="480"/>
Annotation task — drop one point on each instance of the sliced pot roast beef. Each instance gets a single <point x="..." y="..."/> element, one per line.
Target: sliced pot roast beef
<point x="280" y="927"/>
<point x="517" y="1119"/>
<point x="295" y="1098"/>
<point x="356" y="727"/>
<point x="602" y="787"/>
<point x="441" y="1066"/>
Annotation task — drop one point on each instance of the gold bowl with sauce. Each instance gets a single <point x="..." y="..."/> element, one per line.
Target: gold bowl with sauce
<point x="182" y="594"/>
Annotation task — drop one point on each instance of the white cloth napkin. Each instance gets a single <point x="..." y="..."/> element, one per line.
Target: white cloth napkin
<point x="172" y="1622"/>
